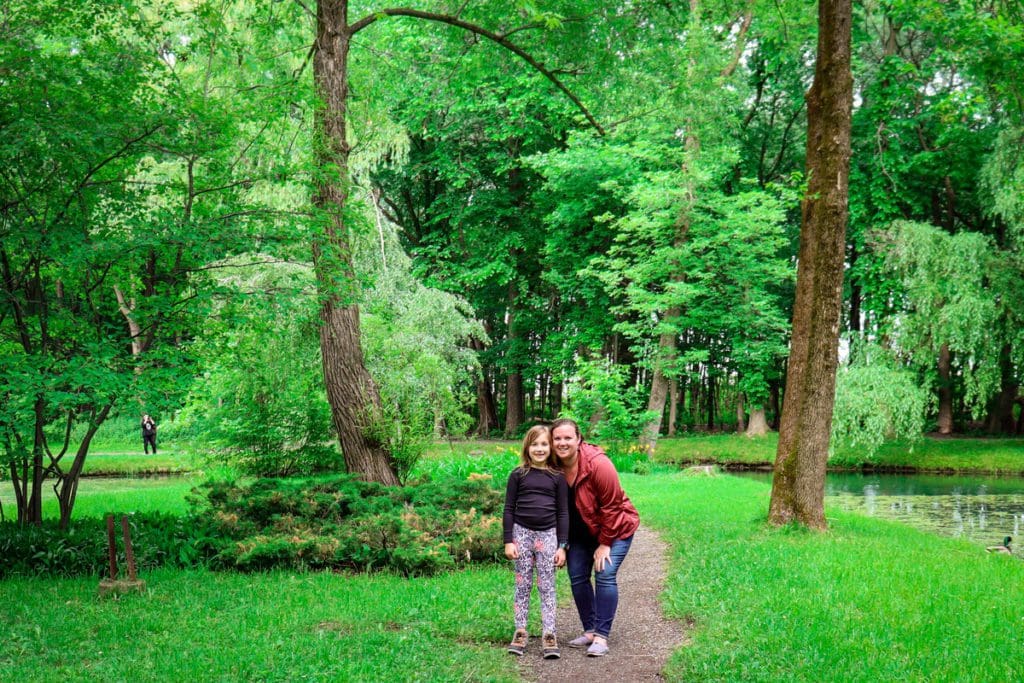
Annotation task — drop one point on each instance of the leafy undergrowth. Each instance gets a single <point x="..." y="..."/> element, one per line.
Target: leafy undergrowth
<point x="326" y="523"/>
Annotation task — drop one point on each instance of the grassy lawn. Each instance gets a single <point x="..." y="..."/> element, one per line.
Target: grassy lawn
<point x="867" y="601"/>
<point x="929" y="454"/>
<point x="96" y="497"/>
<point x="198" y="626"/>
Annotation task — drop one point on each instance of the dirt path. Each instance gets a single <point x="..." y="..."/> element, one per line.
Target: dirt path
<point x="642" y="638"/>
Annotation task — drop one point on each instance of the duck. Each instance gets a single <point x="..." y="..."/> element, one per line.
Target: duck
<point x="1004" y="548"/>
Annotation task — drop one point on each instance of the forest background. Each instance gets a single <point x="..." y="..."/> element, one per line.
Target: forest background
<point x="603" y="223"/>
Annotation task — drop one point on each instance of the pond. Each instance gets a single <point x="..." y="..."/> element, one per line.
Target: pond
<point x="982" y="509"/>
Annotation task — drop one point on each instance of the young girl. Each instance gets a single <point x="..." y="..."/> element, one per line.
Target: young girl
<point x="536" y="528"/>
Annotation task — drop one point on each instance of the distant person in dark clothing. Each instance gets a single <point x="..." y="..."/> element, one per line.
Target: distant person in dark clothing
<point x="148" y="434"/>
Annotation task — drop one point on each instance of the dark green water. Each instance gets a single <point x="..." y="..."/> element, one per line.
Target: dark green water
<point x="980" y="509"/>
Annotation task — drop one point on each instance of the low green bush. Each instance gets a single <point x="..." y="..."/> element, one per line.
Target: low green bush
<point x="344" y="523"/>
<point x="332" y="523"/>
<point x="158" y="540"/>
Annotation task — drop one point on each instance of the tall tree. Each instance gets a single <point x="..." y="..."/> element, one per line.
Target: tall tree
<point x="798" y="486"/>
<point x="351" y="391"/>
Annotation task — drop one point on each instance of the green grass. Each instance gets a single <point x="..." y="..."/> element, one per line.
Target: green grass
<point x="867" y="601"/>
<point x="198" y="626"/>
<point x="929" y="454"/>
<point x="96" y="497"/>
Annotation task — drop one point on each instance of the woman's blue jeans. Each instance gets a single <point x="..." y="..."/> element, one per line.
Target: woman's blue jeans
<point x="596" y="601"/>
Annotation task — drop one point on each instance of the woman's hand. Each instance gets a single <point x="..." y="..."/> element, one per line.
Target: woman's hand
<point x="602" y="556"/>
<point x="511" y="552"/>
<point x="560" y="557"/>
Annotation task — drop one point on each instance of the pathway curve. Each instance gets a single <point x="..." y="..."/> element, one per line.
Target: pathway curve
<point x="642" y="638"/>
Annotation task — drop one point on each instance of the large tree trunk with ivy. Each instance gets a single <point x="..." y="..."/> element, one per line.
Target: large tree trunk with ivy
<point x="351" y="392"/>
<point x="798" y="486"/>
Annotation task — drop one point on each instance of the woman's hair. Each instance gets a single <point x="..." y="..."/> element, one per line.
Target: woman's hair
<point x="531" y="435"/>
<point x="564" y="421"/>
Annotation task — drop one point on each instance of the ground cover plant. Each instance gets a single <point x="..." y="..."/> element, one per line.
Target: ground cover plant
<point x="869" y="600"/>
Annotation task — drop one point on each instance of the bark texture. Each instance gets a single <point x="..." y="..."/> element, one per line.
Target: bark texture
<point x="798" y="487"/>
<point x="351" y="392"/>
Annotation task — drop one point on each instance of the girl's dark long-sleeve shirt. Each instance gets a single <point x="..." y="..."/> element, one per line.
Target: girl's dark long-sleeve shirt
<point x="536" y="499"/>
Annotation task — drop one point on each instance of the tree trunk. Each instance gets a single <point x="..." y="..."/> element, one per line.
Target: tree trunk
<point x="660" y="383"/>
<point x="741" y="414"/>
<point x="351" y="392"/>
<point x="67" y="490"/>
<point x="555" y="398"/>
<point x="855" y="294"/>
<point x="758" y="425"/>
<point x="1000" y="417"/>
<point x="673" y="406"/>
<point x="515" y="410"/>
<point x="945" y="420"/>
<point x="774" y="391"/>
<point x="711" y="401"/>
<point x="798" y="486"/>
<point x="487" y="420"/>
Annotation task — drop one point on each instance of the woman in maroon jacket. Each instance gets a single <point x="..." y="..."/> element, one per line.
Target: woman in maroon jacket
<point x="602" y="522"/>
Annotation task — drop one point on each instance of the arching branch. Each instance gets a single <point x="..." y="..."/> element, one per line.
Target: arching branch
<point x="500" y="39"/>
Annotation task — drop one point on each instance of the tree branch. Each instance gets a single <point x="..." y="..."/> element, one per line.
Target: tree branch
<point x="480" y="31"/>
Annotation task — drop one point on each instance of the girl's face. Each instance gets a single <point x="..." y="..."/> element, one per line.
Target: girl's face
<point x="539" y="451"/>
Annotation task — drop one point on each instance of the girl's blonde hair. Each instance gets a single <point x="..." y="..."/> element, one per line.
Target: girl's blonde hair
<point x="531" y="435"/>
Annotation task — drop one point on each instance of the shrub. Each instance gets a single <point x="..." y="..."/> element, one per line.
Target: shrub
<point x="158" y="540"/>
<point x="342" y="522"/>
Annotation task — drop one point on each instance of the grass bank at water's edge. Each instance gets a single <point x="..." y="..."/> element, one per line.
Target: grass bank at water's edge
<point x="930" y="454"/>
<point x="869" y="600"/>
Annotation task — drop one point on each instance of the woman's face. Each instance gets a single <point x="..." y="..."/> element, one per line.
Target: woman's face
<point x="540" y="450"/>
<point x="565" y="441"/>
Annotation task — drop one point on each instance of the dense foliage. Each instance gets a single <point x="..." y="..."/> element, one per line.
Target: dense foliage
<point x="609" y="184"/>
<point x="330" y="523"/>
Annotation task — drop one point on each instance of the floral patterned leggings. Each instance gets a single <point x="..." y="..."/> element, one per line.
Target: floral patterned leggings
<point x="536" y="551"/>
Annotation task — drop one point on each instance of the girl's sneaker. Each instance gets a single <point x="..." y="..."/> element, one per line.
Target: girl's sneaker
<point x="518" y="644"/>
<point x="549" y="646"/>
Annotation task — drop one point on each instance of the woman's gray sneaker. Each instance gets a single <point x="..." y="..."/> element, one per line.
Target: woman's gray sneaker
<point x="582" y="641"/>
<point x="597" y="649"/>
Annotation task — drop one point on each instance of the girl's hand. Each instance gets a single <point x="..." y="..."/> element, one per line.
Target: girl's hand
<point x="511" y="552"/>
<point x="602" y="557"/>
<point x="560" y="557"/>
